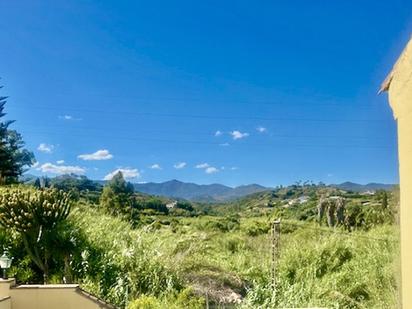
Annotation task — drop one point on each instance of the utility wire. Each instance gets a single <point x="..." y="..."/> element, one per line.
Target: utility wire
<point x="184" y="100"/>
<point x="209" y="117"/>
<point x="191" y="132"/>
<point x="222" y="144"/>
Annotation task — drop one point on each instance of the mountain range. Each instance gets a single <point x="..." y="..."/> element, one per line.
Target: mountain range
<point x="199" y="193"/>
<point x="213" y="192"/>
<point x="373" y="186"/>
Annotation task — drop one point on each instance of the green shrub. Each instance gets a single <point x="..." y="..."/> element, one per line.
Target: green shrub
<point x="182" y="300"/>
<point x="233" y="244"/>
<point x="225" y="224"/>
<point x="144" y="302"/>
<point x="256" y="228"/>
<point x="187" y="299"/>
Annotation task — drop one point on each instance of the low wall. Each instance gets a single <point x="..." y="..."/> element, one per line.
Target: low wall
<point x="51" y="296"/>
<point x="62" y="296"/>
<point x="5" y="302"/>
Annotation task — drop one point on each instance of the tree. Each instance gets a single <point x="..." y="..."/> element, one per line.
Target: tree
<point x="117" y="196"/>
<point x="70" y="182"/>
<point x="14" y="159"/>
<point x="382" y="196"/>
<point x="184" y="205"/>
<point x="36" y="215"/>
<point x="43" y="182"/>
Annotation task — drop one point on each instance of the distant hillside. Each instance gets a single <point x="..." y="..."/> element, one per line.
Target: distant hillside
<point x="172" y="188"/>
<point x="355" y="187"/>
<point x="298" y="201"/>
<point x="28" y="178"/>
<point x="207" y="193"/>
<point x="195" y="192"/>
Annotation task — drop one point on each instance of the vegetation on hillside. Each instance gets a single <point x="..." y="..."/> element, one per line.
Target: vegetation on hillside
<point x="157" y="259"/>
<point x="140" y="251"/>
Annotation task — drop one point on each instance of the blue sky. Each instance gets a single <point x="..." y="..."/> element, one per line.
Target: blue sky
<point x="234" y="92"/>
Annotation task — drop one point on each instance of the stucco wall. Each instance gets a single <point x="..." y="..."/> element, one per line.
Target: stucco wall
<point x="52" y="297"/>
<point x="400" y="97"/>
<point x="59" y="296"/>
<point x="5" y="303"/>
<point x="399" y="88"/>
<point x="44" y="297"/>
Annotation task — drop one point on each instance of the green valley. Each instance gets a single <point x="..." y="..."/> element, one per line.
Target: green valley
<point x="140" y="251"/>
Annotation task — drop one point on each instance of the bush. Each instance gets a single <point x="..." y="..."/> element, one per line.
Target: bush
<point x="225" y="224"/>
<point x="144" y="302"/>
<point x="233" y="244"/>
<point x="184" y="299"/>
<point x="257" y="228"/>
<point x="187" y="299"/>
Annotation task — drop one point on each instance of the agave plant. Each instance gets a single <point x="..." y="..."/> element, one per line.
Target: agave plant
<point x="34" y="214"/>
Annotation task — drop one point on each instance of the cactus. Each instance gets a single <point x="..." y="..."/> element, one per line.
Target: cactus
<point x="25" y="210"/>
<point x="34" y="214"/>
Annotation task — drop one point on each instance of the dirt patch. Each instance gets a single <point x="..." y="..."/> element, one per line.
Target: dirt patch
<point x="218" y="287"/>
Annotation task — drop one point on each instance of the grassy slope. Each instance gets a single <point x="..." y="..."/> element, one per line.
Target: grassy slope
<point x="218" y="257"/>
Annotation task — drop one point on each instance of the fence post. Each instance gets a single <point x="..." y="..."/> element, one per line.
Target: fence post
<point x="275" y="240"/>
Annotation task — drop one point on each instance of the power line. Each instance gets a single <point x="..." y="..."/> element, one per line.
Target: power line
<point x="222" y="144"/>
<point x="190" y="132"/>
<point x="208" y="117"/>
<point x="184" y="100"/>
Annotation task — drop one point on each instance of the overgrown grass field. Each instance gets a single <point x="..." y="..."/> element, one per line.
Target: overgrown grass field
<point x="186" y="262"/>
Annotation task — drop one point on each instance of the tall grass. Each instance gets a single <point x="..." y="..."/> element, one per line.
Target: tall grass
<point x="173" y="265"/>
<point x="333" y="270"/>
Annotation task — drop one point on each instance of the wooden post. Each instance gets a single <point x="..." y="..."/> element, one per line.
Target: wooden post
<point x="275" y="240"/>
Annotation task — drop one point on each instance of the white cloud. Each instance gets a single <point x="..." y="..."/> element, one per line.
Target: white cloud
<point x="45" y="148"/>
<point x="234" y="168"/>
<point x="68" y="117"/>
<point x="60" y="162"/>
<point x="202" y="165"/>
<point x="218" y="133"/>
<point x="155" y="167"/>
<point x="128" y="173"/>
<point x="36" y="164"/>
<point x="61" y="169"/>
<point x="238" y="135"/>
<point x="211" y="170"/>
<point x="180" y="165"/>
<point x="224" y="144"/>
<point x="208" y="168"/>
<point x="261" y="129"/>
<point x="98" y="155"/>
